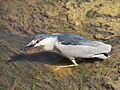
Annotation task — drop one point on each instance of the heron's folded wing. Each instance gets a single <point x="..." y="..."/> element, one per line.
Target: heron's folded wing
<point x="70" y="39"/>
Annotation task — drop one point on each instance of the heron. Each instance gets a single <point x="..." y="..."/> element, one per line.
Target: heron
<point x="71" y="46"/>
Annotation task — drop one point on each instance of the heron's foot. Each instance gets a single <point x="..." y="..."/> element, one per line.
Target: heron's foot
<point x="67" y="66"/>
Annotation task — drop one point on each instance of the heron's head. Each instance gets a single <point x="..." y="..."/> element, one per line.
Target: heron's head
<point x="46" y="40"/>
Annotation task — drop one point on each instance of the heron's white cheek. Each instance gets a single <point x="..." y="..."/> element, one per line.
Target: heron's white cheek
<point x="38" y="44"/>
<point x="44" y="42"/>
<point x="48" y="43"/>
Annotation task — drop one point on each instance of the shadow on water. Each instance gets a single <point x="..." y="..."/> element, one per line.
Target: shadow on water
<point x="51" y="58"/>
<point x="43" y="57"/>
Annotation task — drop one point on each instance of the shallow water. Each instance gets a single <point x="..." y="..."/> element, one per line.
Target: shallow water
<point x="34" y="69"/>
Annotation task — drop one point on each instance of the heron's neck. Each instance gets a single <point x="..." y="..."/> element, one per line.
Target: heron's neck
<point x="59" y="46"/>
<point x="51" y="43"/>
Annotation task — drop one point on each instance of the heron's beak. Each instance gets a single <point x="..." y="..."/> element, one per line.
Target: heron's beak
<point x="30" y="45"/>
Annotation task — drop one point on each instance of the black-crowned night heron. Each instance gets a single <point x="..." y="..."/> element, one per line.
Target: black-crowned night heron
<point x="71" y="46"/>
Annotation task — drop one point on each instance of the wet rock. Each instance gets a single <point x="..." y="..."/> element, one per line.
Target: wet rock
<point x="99" y="36"/>
<point x="20" y="20"/>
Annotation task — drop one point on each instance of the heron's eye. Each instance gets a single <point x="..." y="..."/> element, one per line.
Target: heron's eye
<point x="37" y="41"/>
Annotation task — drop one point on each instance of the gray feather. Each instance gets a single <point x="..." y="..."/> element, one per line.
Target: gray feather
<point x="71" y="39"/>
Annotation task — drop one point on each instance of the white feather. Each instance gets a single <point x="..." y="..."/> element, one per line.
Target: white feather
<point x="48" y="43"/>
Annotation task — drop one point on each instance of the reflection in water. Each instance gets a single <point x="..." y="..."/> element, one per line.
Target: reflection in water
<point x="51" y="58"/>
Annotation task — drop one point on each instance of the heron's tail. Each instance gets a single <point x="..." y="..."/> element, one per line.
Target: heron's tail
<point x="103" y="51"/>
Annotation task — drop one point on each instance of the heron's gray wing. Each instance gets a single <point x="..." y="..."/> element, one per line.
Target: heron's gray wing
<point x="71" y="39"/>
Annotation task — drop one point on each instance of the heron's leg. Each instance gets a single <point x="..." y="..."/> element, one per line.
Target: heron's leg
<point x="72" y="65"/>
<point x="73" y="61"/>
